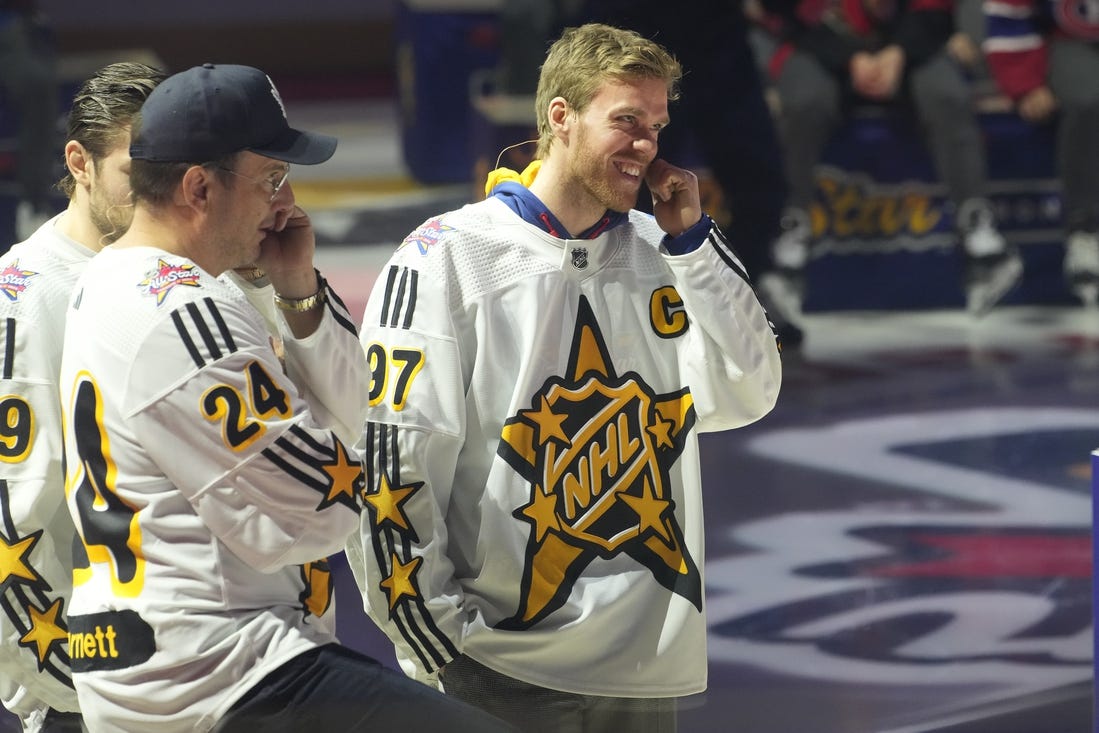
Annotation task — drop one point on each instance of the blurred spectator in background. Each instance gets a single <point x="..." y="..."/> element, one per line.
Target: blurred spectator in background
<point x="832" y="55"/>
<point x="526" y="29"/>
<point x="28" y="78"/>
<point x="1044" y="56"/>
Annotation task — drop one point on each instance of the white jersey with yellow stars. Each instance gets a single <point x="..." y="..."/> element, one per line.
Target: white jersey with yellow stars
<point x="533" y="495"/>
<point x="36" y="532"/>
<point x="202" y="486"/>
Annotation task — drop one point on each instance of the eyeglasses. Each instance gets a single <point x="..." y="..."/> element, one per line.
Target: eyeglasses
<point x="274" y="182"/>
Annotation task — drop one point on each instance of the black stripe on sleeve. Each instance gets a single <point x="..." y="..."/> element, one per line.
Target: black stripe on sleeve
<point x="188" y="342"/>
<point x="411" y="617"/>
<point x="290" y="469"/>
<point x="306" y="437"/>
<point x="17" y="599"/>
<point x="413" y="286"/>
<point x="725" y="251"/>
<point x="339" y="310"/>
<point x="386" y="543"/>
<point x="387" y="298"/>
<point x="9" y="348"/>
<point x="399" y="300"/>
<point x="223" y="328"/>
<point x="301" y="456"/>
<point x="204" y="331"/>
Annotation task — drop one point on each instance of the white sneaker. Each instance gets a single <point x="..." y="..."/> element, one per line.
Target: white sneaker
<point x="980" y="237"/>
<point x="993" y="267"/>
<point x="1081" y="266"/>
<point x="790" y="251"/>
<point x="28" y="219"/>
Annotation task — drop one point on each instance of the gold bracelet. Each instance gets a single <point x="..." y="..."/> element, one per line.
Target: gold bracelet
<point x="306" y="304"/>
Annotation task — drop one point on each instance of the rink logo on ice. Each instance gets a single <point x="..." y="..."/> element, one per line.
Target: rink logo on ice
<point x="14" y="280"/>
<point x="165" y="277"/>
<point x="597" y="449"/>
<point x="952" y="572"/>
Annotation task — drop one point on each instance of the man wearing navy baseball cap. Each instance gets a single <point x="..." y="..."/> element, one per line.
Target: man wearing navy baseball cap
<point x="205" y="475"/>
<point x="217" y="109"/>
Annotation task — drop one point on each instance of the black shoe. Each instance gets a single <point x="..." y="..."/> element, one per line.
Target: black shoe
<point x="990" y="278"/>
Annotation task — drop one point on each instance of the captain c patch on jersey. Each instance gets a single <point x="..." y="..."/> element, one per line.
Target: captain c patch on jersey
<point x="596" y="448"/>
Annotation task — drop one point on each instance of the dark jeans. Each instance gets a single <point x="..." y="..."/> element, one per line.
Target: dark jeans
<point x="333" y="688"/>
<point x="540" y="710"/>
<point x="57" y="722"/>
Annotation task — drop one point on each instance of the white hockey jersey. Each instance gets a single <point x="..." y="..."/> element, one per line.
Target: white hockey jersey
<point x="533" y="495"/>
<point x="201" y="486"/>
<point x="36" y="532"/>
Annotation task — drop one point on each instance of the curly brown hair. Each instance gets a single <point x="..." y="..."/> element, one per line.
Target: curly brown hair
<point x="106" y="103"/>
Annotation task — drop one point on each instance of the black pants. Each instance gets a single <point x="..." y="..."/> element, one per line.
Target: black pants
<point x="333" y="688"/>
<point x="540" y="710"/>
<point x="57" y="722"/>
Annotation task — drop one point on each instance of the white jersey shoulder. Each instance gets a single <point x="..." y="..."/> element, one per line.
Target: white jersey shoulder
<point x="36" y="280"/>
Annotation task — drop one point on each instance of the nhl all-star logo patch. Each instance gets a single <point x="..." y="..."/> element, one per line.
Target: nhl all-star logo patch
<point x="166" y="276"/>
<point x="427" y="235"/>
<point x="14" y="280"/>
<point x="579" y="257"/>
<point x="597" y="449"/>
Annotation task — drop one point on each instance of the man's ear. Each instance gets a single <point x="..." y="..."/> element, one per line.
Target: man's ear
<point x="560" y="118"/>
<point x="194" y="189"/>
<point x="79" y="162"/>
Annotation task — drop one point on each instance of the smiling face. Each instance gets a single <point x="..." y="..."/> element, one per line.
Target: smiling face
<point x="613" y="142"/>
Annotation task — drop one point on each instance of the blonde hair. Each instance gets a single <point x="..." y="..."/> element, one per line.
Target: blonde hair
<point x="583" y="58"/>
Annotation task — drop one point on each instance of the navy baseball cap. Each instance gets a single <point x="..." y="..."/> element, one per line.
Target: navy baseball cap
<point x="214" y="110"/>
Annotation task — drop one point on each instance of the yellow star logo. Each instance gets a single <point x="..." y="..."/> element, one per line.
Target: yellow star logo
<point x="542" y="510"/>
<point x="650" y="511"/>
<point x="344" y="476"/>
<point x="13" y="558"/>
<point x="387" y="502"/>
<point x="661" y="430"/>
<point x="597" y="449"/>
<point x="402" y="581"/>
<point x="45" y="630"/>
<point x="547" y="423"/>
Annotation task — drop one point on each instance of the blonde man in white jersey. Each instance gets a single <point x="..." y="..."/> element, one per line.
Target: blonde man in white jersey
<point x="542" y="363"/>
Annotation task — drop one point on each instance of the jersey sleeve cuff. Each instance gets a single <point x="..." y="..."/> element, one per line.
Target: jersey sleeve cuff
<point x="691" y="239"/>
